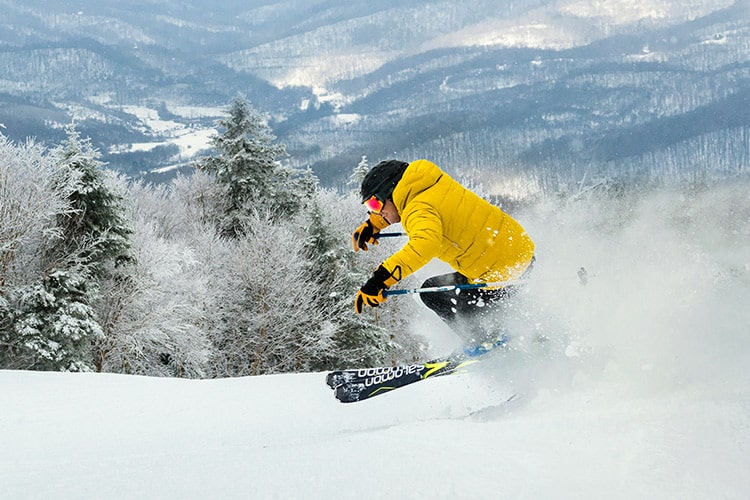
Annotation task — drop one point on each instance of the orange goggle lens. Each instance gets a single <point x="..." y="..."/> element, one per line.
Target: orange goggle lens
<point x="374" y="205"/>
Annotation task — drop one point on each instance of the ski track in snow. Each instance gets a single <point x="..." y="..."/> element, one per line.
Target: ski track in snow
<point x="639" y="391"/>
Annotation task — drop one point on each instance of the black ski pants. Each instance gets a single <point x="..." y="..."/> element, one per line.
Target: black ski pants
<point x="462" y="310"/>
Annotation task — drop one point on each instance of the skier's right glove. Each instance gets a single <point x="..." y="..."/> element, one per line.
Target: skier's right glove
<point x="365" y="233"/>
<point x="371" y="293"/>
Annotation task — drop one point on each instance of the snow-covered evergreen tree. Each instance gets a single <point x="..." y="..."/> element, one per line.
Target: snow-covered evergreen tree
<point x="247" y="170"/>
<point x="54" y="325"/>
<point x="358" y="174"/>
<point x="96" y="227"/>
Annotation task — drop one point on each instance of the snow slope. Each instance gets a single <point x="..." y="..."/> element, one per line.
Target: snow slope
<point x="640" y="391"/>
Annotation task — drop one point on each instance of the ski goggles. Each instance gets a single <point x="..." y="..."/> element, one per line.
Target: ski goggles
<point x="374" y="204"/>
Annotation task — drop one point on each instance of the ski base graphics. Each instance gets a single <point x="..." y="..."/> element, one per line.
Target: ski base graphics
<point x="363" y="383"/>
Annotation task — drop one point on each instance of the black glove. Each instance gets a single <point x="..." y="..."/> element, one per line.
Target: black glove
<point x="371" y="293"/>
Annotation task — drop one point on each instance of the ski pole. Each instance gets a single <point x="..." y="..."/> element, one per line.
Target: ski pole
<point x="448" y="288"/>
<point x="582" y="279"/>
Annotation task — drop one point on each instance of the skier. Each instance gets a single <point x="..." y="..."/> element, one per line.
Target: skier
<point x="442" y="219"/>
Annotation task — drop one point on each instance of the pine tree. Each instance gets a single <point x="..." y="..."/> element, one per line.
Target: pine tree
<point x="54" y="325"/>
<point x="246" y="168"/>
<point x="358" y="174"/>
<point x="95" y="230"/>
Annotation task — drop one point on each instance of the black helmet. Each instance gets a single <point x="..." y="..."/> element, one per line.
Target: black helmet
<point x="382" y="179"/>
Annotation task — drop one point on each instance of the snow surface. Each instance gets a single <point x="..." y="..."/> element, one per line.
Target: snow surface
<point x="639" y="391"/>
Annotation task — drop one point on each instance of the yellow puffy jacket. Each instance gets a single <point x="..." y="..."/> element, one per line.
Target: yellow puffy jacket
<point x="445" y="220"/>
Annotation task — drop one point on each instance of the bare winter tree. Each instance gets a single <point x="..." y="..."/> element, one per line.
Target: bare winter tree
<point x="154" y="317"/>
<point x="29" y="205"/>
<point x="266" y="318"/>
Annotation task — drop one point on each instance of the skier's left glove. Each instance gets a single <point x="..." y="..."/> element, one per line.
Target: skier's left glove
<point x="366" y="232"/>
<point x="371" y="293"/>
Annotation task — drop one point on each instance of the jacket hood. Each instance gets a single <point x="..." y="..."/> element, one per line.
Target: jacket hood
<point x="419" y="176"/>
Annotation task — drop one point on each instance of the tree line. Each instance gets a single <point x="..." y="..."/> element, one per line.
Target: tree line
<point x="243" y="267"/>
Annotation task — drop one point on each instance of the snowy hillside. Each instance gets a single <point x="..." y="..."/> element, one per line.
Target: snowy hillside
<point x="640" y="391"/>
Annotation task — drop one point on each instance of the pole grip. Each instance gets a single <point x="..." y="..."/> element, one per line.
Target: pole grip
<point x="387" y="235"/>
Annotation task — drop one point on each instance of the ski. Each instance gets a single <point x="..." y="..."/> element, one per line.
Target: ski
<point x="363" y="383"/>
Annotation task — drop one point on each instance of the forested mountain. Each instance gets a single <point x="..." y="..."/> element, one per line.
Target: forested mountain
<point x="540" y="92"/>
